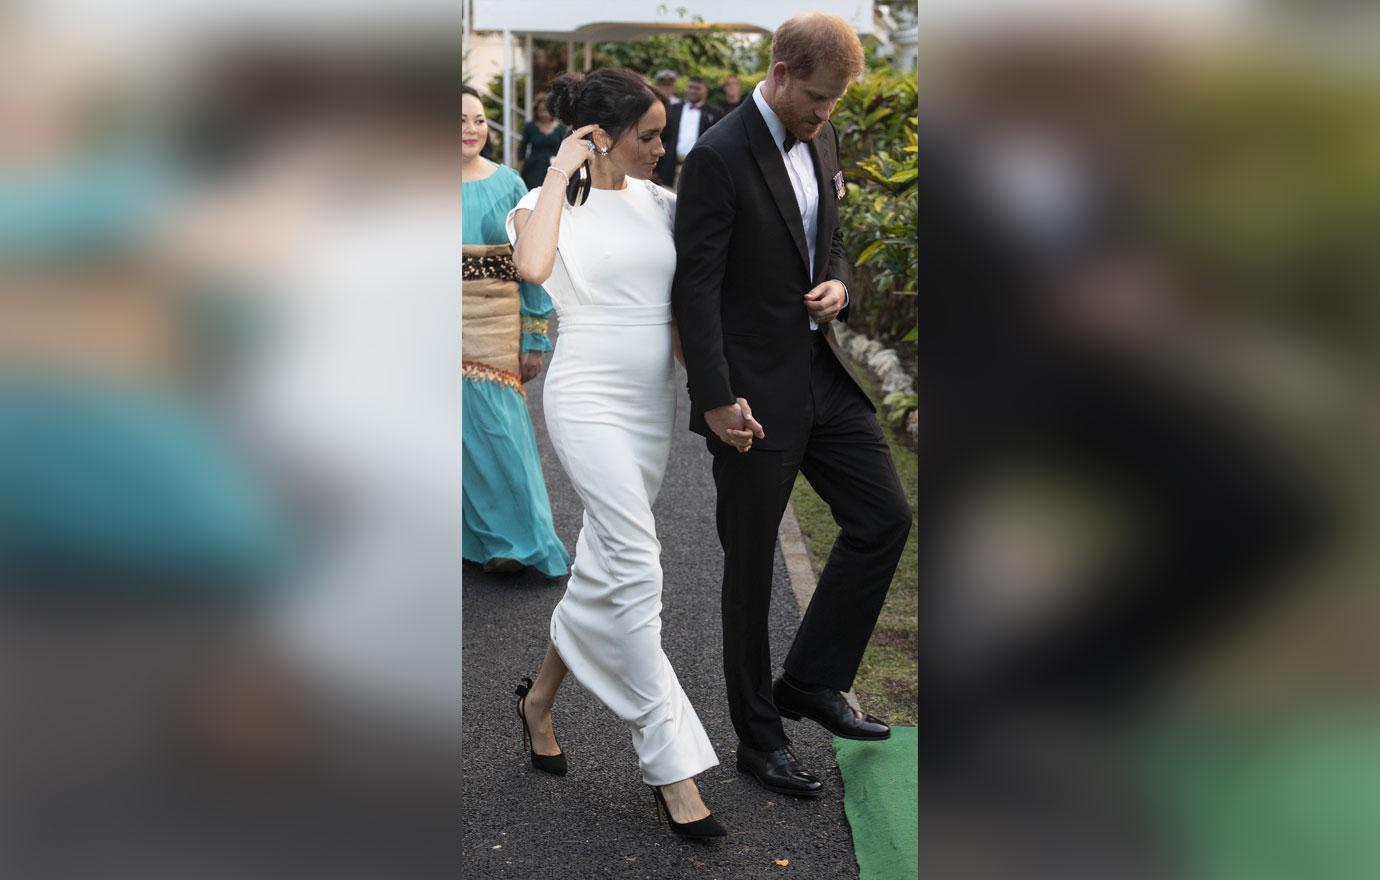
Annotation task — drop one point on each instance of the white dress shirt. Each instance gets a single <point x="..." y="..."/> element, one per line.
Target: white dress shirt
<point x="689" y="130"/>
<point x="800" y="168"/>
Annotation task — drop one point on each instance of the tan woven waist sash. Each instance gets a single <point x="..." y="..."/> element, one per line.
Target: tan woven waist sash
<point x="491" y="326"/>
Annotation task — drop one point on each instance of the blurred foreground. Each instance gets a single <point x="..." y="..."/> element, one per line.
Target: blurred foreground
<point x="229" y="443"/>
<point x="229" y="425"/>
<point x="1149" y="278"/>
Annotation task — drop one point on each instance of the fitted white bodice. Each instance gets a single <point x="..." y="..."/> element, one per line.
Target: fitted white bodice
<point x="616" y="249"/>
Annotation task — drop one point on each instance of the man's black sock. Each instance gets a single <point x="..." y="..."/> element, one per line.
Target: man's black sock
<point x="801" y="685"/>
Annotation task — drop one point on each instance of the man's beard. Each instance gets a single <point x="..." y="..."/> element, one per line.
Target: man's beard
<point x="810" y="127"/>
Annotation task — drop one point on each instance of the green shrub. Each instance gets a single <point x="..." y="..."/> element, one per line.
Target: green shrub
<point x="1264" y="189"/>
<point x="877" y="128"/>
<point x="700" y="54"/>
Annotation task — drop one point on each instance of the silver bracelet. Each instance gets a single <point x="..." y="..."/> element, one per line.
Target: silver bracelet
<point x="560" y="172"/>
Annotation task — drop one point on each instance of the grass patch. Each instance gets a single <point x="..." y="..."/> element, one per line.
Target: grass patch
<point x="886" y="682"/>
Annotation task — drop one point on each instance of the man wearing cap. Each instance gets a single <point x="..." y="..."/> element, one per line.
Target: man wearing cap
<point x="665" y="84"/>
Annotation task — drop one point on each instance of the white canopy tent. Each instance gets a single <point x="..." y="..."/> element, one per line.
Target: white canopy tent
<point x="591" y="21"/>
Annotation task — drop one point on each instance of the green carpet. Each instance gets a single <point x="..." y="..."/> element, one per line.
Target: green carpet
<point x="1294" y="802"/>
<point x="879" y="798"/>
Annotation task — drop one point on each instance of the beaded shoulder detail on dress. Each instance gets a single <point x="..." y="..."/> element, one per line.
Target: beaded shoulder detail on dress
<point x="660" y="198"/>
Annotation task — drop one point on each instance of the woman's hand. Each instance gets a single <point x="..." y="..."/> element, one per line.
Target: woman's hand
<point x="529" y="365"/>
<point x="534" y="249"/>
<point x="675" y="342"/>
<point x="575" y="151"/>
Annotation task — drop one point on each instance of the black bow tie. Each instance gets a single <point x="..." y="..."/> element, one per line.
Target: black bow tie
<point x="791" y="141"/>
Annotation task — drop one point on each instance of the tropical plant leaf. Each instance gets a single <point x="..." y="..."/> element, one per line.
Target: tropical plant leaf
<point x="868" y="252"/>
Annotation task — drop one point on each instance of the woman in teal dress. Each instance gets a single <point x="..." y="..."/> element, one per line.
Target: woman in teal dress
<point x="541" y="138"/>
<point x="507" y="514"/>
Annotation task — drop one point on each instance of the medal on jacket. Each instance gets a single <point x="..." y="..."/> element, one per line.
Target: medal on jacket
<point x="839" y="191"/>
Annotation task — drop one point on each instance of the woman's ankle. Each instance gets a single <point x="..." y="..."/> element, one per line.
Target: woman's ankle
<point x="684" y="789"/>
<point x="684" y="798"/>
<point x="538" y="702"/>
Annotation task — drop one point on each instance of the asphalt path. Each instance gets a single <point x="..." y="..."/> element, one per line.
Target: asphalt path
<point x="599" y="821"/>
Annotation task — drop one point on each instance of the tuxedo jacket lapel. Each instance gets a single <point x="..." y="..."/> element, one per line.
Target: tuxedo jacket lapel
<point x="773" y="165"/>
<point x="824" y="153"/>
<point x="827" y="217"/>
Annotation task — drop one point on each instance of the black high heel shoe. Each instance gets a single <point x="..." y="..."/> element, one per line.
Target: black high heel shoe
<point x="553" y="764"/>
<point x="700" y="829"/>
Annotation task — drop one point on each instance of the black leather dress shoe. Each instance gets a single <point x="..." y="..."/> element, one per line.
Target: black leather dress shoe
<point x="778" y="771"/>
<point x="829" y="709"/>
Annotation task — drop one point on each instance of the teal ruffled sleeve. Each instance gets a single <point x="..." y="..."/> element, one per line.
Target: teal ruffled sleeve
<point x="536" y="304"/>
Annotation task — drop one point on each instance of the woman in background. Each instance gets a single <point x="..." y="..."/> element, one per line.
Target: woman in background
<point x="541" y="138"/>
<point x="507" y="514"/>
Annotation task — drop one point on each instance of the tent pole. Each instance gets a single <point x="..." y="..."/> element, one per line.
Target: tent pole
<point x="464" y="36"/>
<point x="507" y="97"/>
<point x="589" y="55"/>
<point x="527" y="93"/>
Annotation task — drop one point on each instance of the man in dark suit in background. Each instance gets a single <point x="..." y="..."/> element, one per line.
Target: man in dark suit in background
<point x="685" y="122"/>
<point x="664" y="81"/>
<point x="761" y="272"/>
<point x="733" y="94"/>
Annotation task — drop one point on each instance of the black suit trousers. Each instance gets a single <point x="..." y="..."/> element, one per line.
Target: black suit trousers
<point x="846" y="460"/>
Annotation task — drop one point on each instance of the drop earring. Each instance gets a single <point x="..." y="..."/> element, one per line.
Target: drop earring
<point x="577" y="191"/>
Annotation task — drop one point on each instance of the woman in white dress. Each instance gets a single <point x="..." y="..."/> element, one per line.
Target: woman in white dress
<point x="610" y="402"/>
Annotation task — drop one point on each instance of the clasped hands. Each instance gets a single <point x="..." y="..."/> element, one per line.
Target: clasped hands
<point x="734" y="424"/>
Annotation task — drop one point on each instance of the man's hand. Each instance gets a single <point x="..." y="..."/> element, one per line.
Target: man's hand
<point x="826" y="301"/>
<point x="734" y="425"/>
<point x="529" y="365"/>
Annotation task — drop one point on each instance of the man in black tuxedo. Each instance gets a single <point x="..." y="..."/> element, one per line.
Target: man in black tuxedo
<point x="685" y="122"/>
<point x="761" y="272"/>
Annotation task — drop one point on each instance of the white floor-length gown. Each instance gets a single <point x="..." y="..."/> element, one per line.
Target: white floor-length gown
<point x="610" y="402"/>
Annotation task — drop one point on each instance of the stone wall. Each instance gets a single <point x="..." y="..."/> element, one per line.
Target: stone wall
<point x="885" y="366"/>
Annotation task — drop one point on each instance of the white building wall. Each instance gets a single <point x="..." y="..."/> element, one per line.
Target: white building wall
<point x="485" y="60"/>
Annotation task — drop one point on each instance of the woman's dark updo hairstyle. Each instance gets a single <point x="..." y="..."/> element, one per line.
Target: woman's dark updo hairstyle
<point x="614" y="98"/>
